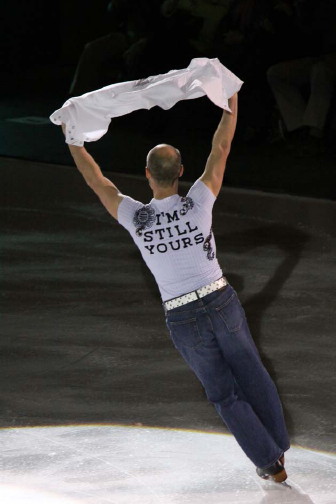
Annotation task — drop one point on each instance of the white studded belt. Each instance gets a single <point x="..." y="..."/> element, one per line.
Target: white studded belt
<point x="194" y="295"/>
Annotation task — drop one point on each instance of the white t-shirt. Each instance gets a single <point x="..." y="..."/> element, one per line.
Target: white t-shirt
<point x="175" y="239"/>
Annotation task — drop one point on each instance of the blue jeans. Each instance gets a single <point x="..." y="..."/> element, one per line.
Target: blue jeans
<point x="213" y="337"/>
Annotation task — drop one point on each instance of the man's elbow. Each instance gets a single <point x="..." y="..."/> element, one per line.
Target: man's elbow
<point x="91" y="182"/>
<point x="96" y="182"/>
<point x="221" y="150"/>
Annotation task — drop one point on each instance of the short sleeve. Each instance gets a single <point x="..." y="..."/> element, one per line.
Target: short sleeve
<point x="202" y="195"/>
<point x="126" y="211"/>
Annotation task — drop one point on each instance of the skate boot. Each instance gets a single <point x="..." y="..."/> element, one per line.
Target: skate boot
<point x="276" y="472"/>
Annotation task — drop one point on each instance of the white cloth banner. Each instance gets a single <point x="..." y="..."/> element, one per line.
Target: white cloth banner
<point x="87" y="117"/>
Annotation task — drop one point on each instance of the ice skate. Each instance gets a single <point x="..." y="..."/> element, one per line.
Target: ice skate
<point x="276" y="472"/>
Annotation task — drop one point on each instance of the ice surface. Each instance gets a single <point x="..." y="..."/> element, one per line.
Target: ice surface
<point x="98" y="464"/>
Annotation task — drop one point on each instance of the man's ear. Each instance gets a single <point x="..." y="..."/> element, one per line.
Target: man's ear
<point x="147" y="173"/>
<point x="181" y="170"/>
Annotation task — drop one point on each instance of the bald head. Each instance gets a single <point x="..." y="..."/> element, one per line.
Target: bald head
<point x="164" y="164"/>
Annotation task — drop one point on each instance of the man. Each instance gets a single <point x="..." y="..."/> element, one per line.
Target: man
<point x="204" y="316"/>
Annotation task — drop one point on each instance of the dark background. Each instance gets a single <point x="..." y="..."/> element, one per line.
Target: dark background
<point x="42" y="41"/>
<point x="77" y="301"/>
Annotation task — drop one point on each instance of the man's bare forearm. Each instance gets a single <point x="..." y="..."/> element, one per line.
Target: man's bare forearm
<point x="88" y="167"/>
<point x="226" y="128"/>
<point x="85" y="163"/>
<point x="221" y="145"/>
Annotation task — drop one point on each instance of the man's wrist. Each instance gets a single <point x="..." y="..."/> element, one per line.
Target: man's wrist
<point x="76" y="150"/>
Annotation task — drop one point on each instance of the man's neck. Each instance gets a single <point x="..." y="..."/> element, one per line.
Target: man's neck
<point x="164" y="192"/>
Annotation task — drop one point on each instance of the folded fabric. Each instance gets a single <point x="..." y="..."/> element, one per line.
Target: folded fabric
<point x="87" y="117"/>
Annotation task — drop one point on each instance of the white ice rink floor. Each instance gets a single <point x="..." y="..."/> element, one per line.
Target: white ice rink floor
<point x="100" y="464"/>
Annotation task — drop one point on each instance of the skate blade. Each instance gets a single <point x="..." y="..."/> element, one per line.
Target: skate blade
<point x="280" y="477"/>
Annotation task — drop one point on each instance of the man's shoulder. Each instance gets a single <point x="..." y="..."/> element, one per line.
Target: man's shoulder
<point x="201" y="192"/>
<point x="128" y="207"/>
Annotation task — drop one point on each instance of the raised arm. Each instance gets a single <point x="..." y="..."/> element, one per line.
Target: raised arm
<point x="107" y="192"/>
<point x="221" y="145"/>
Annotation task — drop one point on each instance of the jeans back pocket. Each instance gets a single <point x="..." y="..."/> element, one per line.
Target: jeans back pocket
<point x="185" y="333"/>
<point x="232" y="313"/>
